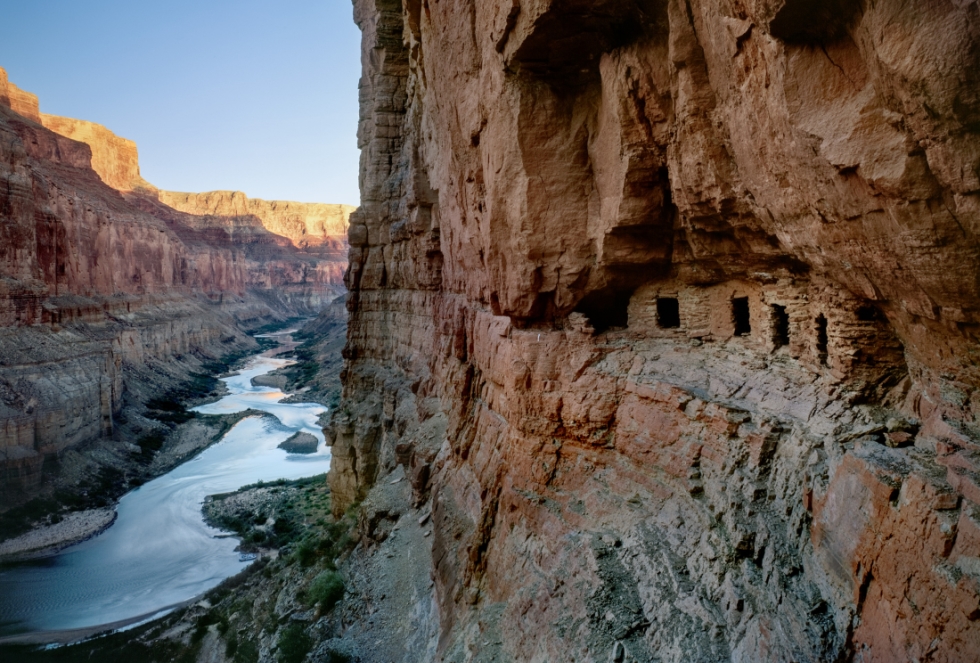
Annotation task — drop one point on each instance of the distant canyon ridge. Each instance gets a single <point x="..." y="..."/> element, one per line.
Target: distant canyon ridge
<point x="112" y="290"/>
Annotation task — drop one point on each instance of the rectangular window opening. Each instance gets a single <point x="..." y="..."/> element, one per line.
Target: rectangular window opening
<point x="780" y="326"/>
<point x="740" y="316"/>
<point x="867" y="313"/>
<point x="822" y="339"/>
<point x="668" y="313"/>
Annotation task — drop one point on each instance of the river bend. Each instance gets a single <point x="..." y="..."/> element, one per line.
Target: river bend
<point x="159" y="552"/>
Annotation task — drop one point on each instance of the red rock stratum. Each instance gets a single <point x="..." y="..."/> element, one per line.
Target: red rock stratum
<point x="112" y="290"/>
<point x="670" y="309"/>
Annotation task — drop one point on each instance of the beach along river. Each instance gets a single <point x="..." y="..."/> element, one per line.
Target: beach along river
<point x="159" y="552"/>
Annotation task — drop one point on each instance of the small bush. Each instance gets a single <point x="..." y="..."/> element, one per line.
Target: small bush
<point x="246" y="652"/>
<point x="327" y="589"/>
<point x="168" y="410"/>
<point x="18" y="520"/>
<point x="267" y="343"/>
<point x="206" y="620"/>
<point x="294" y="644"/>
<point x="151" y="442"/>
<point x="334" y="656"/>
<point x="101" y="490"/>
<point x="306" y="552"/>
<point x="165" y="404"/>
<point x="256" y="537"/>
<point x="200" y="629"/>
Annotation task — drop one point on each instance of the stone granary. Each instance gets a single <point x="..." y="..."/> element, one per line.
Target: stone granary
<point x="825" y="328"/>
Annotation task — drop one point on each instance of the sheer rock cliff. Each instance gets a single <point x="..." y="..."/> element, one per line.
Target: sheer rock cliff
<point x="669" y="310"/>
<point x="108" y="296"/>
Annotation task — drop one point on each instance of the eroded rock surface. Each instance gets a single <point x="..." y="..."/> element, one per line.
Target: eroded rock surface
<point x="315" y="227"/>
<point x="300" y="443"/>
<point x="670" y="309"/>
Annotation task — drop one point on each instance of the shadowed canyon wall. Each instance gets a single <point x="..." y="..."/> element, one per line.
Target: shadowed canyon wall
<point x="107" y="293"/>
<point x="310" y="273"/>
<point x="670" y="309"/>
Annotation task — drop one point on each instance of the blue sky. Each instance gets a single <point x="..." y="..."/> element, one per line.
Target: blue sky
<point x="253" y="95"/>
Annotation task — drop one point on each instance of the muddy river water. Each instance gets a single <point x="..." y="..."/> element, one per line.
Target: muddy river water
<point x="159" y="552"/>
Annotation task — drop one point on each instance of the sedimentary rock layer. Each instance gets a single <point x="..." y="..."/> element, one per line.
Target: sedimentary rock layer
<point x="18" y="100"/>
<point x="114" y="159"/>
<point x="107" y="291"/>
<point x="671" y="309"/>
<point x="314" y="227"/>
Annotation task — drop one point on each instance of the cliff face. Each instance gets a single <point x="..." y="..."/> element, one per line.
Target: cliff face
<point x="293" y="252"/>
<point x="314" y="227"/>
<point x="296" y="250"/>
<point x="105" y="292"/>
<point x="114" y="159"/>
<point x="18" y="100"/>
<point x="671" y="309"/>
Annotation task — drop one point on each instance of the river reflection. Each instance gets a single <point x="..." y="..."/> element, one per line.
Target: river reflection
<point x="159" y="552"/>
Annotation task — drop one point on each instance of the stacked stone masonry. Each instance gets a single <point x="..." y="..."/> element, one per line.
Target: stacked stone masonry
<point x="825" y="328"/>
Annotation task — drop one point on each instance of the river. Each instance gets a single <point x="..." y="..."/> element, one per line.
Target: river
<point x="159" y="552"/>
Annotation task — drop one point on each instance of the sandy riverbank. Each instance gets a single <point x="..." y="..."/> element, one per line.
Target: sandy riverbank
<point x="72" y="636"/>
<point x="73" y="528"/>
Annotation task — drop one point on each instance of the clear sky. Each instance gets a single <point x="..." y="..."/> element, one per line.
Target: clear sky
<point x="253" y="95"/>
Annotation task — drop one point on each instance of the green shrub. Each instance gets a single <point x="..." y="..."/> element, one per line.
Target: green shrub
<point x="246" y="652"/>
<point x="334" y="656"/>
<point x="306" y="552"/>
<point x="200" y="629"/>
<point x="206" y="620"/>
<point x="151" y="442"/>
<point x="327" y="589"/>
<point x="294" y="644"/>
<point x="165" y="404"/>
<point x="106" y="486"/>
<point x="18" y="520"/>
<point x="168" y="410"/>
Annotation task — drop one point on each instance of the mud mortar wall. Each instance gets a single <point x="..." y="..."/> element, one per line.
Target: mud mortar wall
<point x="605" y="484"/>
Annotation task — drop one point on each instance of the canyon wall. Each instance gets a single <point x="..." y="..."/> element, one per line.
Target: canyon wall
<point x="670" y="310"/>
<point x="292" y="252"/>
<point x="114" y="159"/>
<point x="109" y="297"/>
<point x="315" y="227"/>
<point x="308" y="277"/>
<point x="20" y="101"/>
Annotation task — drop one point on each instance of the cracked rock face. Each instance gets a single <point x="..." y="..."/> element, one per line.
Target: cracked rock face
<point x="670" y="308"/>
<point x="103" y="283"/>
